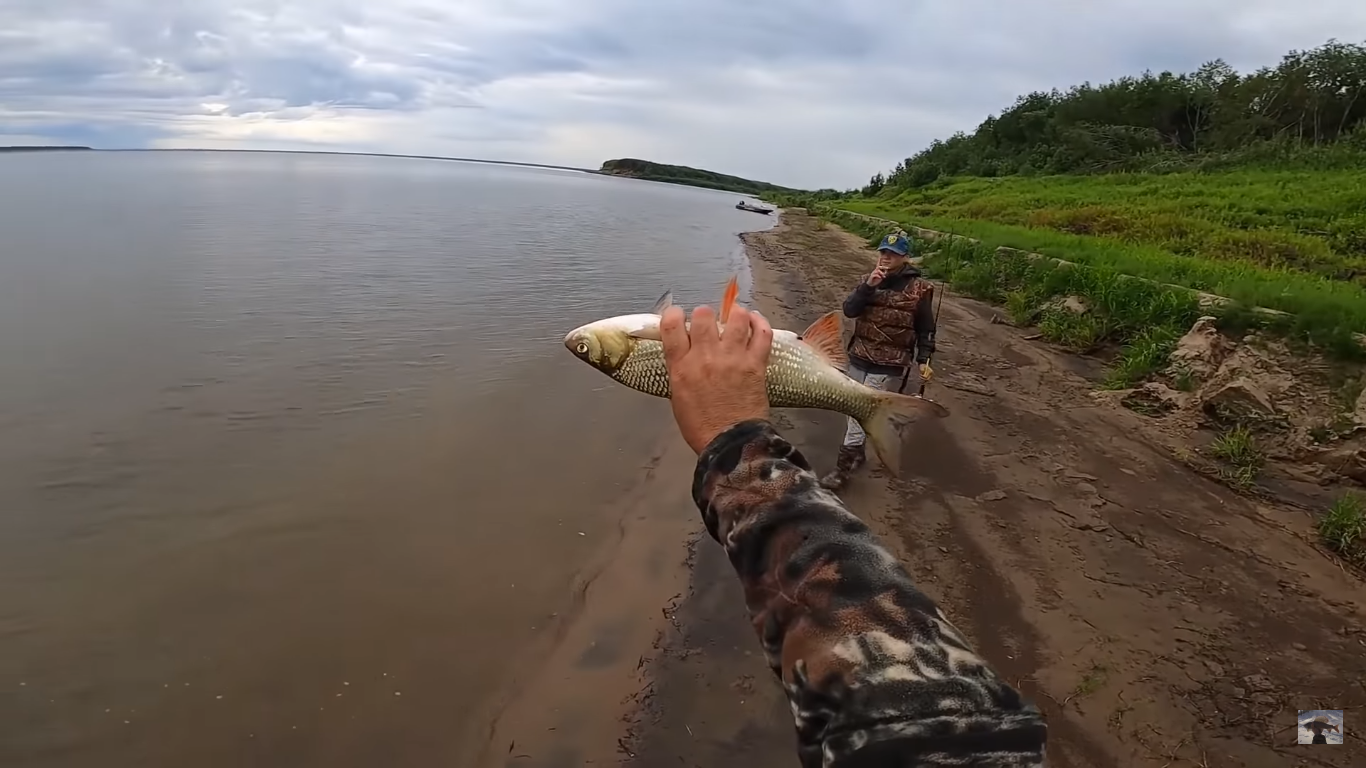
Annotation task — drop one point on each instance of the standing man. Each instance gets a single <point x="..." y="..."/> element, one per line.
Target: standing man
<point x="894" y="329"/>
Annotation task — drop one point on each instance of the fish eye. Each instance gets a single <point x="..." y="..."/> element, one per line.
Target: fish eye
<point x="582" y="348"/>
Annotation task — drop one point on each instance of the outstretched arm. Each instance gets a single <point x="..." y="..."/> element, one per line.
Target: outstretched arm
<point x="872" y="668"/>
<point x="875" y="673"/>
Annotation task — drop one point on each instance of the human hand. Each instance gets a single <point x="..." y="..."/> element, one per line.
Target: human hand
<point x="717" y="378"/>
<point x="879" y="272"/>
<point x="926" y="372"/>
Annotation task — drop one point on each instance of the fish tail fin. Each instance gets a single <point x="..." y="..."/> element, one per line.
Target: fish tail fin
<point x="886" y="427"/>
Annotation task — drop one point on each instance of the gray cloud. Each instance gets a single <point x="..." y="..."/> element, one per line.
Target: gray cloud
<point x="802" y="92"/>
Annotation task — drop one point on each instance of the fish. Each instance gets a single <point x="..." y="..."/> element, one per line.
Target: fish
<point x="806" y="370"/>
<point x="1320" y="720"/>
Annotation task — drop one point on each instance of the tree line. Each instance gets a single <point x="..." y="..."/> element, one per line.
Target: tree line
<point x="682" y="174"/>
<point x="1309" y="108"/>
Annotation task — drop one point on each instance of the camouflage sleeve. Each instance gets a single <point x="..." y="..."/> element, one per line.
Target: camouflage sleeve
<point x="874" y="672"/>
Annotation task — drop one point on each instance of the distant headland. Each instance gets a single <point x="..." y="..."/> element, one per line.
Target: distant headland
<point x="45" y="149"/>
<point x="682" y="174"/>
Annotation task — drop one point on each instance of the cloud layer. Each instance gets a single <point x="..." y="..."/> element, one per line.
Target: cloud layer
<point x="809" y="93"/>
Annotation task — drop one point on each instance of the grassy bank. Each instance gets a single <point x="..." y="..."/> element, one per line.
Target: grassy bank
<point x="1308" y="221"/>
<point x="1299" y="220"/>
<point x="1143" y="318"/>
<point x="1324" y="311"/>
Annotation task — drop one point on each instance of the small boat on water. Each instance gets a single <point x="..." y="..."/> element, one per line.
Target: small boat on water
<point x="745" y="205"/>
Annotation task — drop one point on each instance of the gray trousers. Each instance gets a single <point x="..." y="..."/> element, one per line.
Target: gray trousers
<point x="854" y="435"/>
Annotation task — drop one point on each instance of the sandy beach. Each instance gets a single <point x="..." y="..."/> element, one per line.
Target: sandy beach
<point x="1156" y="617"/>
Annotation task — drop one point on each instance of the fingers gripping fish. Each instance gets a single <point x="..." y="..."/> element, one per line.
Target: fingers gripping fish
<point x="804" y="371"/>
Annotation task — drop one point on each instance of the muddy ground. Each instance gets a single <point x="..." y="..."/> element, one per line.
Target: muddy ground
<point x="1157" y="618"/>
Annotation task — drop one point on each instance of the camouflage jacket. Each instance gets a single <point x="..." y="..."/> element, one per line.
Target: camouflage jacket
<point x="895" y="322"/>
<point x="874" y="672"/>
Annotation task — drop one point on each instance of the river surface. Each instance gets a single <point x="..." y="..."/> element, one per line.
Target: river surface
<point x="293" y="463"/>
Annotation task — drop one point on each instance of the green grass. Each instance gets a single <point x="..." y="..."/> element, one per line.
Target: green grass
<point x="1236" y="446"/>
<point x="1325" y="311"/>
<point x="1314" y="221"/>
<point x="1343" y="529"/>
<point x="1143" y="356"/>
<point x="1238" y="450"/>
<point x="1020" y="307"/>
<point x="1077" y="332"/>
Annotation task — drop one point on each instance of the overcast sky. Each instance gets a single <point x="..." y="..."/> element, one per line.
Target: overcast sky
<point x="808" y="93"/>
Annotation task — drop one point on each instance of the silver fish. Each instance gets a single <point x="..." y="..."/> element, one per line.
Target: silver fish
<point x="804" y="371"/>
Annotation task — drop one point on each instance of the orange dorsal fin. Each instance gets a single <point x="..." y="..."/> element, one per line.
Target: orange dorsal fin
<point x="826" y="337"/>
<point x="728" y="298"/>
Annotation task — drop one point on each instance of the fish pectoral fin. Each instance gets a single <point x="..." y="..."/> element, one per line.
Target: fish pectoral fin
<point x="663" y="303"/>
<point x="826" y="338"/>
<point x="651" y="334"/>
<point x="728" y="298"/>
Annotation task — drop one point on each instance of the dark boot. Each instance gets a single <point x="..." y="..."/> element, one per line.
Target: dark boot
<point x="851" y="457"/>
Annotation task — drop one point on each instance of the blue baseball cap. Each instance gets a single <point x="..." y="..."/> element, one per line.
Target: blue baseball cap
<point x="896" y="243"/>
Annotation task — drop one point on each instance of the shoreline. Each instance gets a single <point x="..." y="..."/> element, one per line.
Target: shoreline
<point x="579" y="681"/>
<point x="711" y="698"/>
<point x="1082" y="560"/>
<point x="581" y="693"/>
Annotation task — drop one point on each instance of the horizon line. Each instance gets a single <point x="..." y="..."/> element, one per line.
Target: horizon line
<point x="312" y="152"/>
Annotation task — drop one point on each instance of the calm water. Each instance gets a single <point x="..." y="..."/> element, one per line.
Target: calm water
<point x="292" y="460"/>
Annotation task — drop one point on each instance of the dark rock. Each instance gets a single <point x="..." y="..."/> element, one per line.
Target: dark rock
<point x="1152" y="399"/>
<point x="1238" y="401"/>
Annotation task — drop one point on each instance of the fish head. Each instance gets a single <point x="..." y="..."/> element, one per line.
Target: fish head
<point x="604" y="344"/>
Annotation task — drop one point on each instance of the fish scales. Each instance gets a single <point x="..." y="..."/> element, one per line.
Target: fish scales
<point x="803" y="371"/>
<point x="796" y="378"/>
<point x="645" y="369"/>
